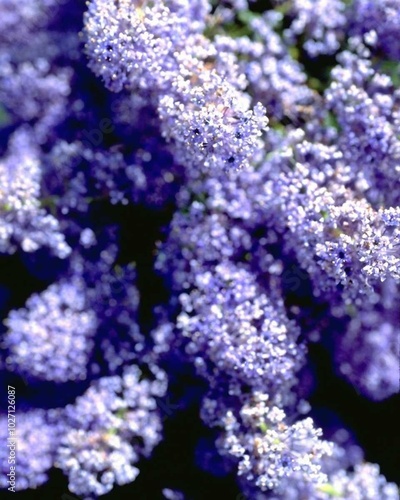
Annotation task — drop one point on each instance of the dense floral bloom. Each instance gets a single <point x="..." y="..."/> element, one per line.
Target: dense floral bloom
<point x="196" y="90"/>
<point x="200" y="226"/>
<point x="321" y="21"/>
<point x="235" y="331"/>
<point x="365" y="102"/>
<point x="38" y="434"/>
<point x="268" y="449"/>
<point x="52" y="338"/>
<point x="330" y="229"/>
<point x="96" y="450"/>
<point x="381" y="19"/>
<point x="364" y="482"/>
<point x="23" y="222"/>
<point x="34" y="93"/>
<point x="367" y="352"/>
<point x="19" y="21"/>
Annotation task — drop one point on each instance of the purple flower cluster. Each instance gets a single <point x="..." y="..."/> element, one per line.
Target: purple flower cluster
<point x="364" y="101"/>
<point x="24" y="222"/>
<point x="96" y="451"/>
<point x="379" y="20"/>
<point x="256" y="343"/>
<point x="322" y="22"/>
<point x="200" y="223"/>
<point x="373" y="333"/>
<point x="197" y="90"/>
<point x="52" y="338"/>
<point x="31" y="91"/>
<point x="19" y="21"/>
<point x="269" y="450"/>
<point x="39" y="434"/>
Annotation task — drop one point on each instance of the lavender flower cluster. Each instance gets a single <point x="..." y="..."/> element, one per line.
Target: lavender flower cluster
<point x="200" y="226"/>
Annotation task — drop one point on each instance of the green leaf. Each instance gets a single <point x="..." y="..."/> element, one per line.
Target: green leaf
<point x="392" y="69"/>
<point x="329" y="490"/>
<point x="284" y="8"/>
<point x="324" y="214"/>
<point x="331" y="121"/>
<point x="121" y="413"/>
<point x="4" y="117"/>
<point x="6" y="207"/>
<point x="294" y="53"/>
<point x="246" y="16"/>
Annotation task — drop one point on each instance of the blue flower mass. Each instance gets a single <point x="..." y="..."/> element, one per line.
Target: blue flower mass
<point x="200" y="249"/>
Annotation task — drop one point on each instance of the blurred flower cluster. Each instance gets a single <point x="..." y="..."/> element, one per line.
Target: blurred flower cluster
<point x="199" y="207"/>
